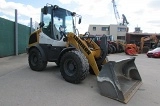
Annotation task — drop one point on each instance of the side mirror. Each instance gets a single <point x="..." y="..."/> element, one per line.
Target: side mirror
<point x="73" y="13"/>
<point x="55" y="7"/>
<point x="79" y="21"/>
<point x="45" y="10"/>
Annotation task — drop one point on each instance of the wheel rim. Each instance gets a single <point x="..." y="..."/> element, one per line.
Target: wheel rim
<point x="34" y="59"/>
<point x="70" y="67"/>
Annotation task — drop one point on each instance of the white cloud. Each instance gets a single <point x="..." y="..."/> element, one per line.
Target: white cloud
<point x="93" y="11"/>
<point x="66" y="1"/>
<point x="24" y="11"/>
<point x="5" y="17"/>
<point x="138" y="12"/>
<point x="143" y="13"/>
<point x="96" y="8"/>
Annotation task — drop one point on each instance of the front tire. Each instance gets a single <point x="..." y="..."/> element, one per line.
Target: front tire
<point x="58" y="64"/>
<point x="36" y="62"/>
<point x="74" y="66"/>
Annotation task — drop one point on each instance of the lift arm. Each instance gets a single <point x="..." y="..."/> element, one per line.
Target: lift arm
<point x="89" y="48"/>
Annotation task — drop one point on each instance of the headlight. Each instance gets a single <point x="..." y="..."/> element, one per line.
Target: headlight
<point x="156" y="53"/>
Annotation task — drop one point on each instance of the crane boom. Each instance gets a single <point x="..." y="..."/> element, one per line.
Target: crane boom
<point x="116" y="11"/>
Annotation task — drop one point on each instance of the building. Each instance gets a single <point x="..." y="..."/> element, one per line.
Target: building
<point x="117" y="31"/>
<point x="138" y="30"/>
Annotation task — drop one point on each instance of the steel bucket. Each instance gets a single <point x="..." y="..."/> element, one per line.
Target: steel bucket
<point x="119" y="80"/>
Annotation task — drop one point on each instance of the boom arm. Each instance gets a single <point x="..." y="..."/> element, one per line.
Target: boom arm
<point x="89" y="48"/>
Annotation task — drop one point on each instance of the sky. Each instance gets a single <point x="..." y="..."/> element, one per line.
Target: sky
<point x="139" y="13"/>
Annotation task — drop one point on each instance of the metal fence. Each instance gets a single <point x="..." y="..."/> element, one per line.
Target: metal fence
<point x="13" y="37"/>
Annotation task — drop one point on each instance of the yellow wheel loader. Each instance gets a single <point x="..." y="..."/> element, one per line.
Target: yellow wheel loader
<point x="148" y="38"/>
<point x="57" y="40"/>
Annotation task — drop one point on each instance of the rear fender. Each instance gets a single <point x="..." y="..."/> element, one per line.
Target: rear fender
<point x="41" y="51"/>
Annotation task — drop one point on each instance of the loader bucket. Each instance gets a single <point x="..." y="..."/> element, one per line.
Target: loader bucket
<point x="119" y="80"/>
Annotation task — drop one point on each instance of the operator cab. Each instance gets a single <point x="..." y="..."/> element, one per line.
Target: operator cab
<point x="56" y="21"/>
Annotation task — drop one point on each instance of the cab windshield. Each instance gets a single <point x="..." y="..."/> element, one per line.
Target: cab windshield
<point x="57" y="22"/>
<point x="63" y="20"/>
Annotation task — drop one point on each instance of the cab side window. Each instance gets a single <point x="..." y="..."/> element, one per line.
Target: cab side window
<point x="58" y="22"/>
<point x="47" y="24"/>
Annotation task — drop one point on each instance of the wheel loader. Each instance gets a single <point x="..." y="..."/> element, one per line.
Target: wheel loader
<point x="57" y="40"/>
<point x="148" y="38"/>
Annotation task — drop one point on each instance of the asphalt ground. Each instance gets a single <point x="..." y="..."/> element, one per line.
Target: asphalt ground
<point x="20" y="86"/>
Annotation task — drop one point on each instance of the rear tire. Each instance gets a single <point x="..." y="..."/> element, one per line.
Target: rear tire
<point x="121" y="48"/>
<point x="35" y="60"/>
<point x="110" y="49"/>
<point x="74" y="66"/>
<point x="113" y="49"/>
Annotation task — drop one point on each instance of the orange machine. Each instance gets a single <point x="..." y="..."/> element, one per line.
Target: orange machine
<point x="129" y="49"/>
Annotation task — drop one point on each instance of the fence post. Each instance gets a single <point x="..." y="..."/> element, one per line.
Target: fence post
<point x="16" y="34"/>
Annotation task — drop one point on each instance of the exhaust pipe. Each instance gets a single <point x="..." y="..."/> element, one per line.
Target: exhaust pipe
<point x="119" y="80"/>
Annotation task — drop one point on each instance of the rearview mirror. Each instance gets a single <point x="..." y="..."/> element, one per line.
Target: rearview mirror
<point x="45" y="10"/>
<point x="79" y="20"/>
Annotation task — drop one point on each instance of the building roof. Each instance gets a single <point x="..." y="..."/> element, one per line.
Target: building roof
<point x="133" y="33"/>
